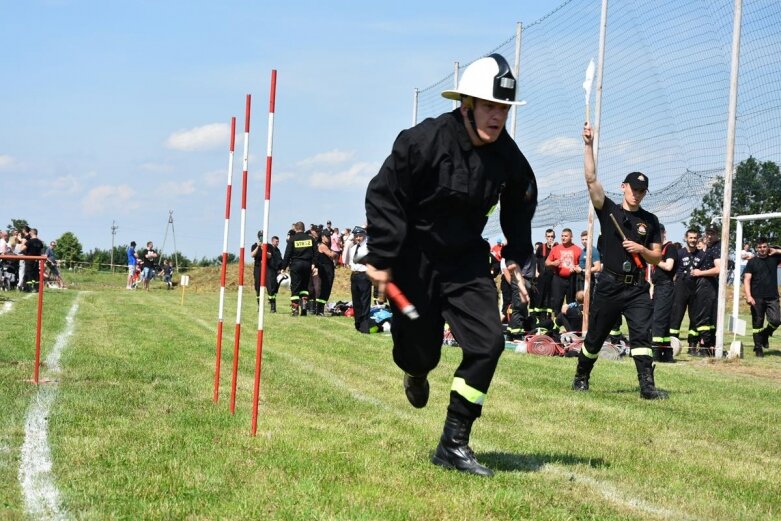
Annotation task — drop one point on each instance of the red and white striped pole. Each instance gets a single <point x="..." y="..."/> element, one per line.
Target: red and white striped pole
<point x="264" y="260"/>
<point x="237" y="334"/>
<point x="224" y="267"/>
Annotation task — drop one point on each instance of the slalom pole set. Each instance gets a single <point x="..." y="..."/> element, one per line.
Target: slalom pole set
<point x="241" y="254"/>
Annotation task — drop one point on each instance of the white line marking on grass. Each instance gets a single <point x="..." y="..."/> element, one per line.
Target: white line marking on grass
<point x="612" y="494"/>
<point x="41" y="496"/>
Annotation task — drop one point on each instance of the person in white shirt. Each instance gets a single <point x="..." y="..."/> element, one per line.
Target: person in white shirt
<point x="360" y="284"/>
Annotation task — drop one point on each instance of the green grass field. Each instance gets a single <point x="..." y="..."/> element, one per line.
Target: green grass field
<point x="134" y="433"/>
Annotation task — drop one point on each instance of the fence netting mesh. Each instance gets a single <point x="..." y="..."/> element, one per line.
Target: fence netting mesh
<point x="664" y="103"/>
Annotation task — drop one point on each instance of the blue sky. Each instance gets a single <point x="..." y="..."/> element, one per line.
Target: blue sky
<point x="119" y="111"/>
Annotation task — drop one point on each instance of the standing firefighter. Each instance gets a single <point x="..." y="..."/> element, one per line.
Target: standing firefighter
<point x="664" y="290"/>
<point x="299" y="254"/>
<point x="706" y="292"/>
<point x="622" y="288"/>
<point x="426" y="210"/>
<point x="689" y="258"/>
<point x="760" y="284"/>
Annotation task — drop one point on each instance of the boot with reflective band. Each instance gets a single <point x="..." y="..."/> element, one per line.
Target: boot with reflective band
<point x="645" y="375"/>
<point x="453" y="451"/>
<point x="583" y="372"/>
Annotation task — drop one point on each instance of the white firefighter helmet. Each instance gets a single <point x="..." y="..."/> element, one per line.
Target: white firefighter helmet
<point x="488" y="78"/>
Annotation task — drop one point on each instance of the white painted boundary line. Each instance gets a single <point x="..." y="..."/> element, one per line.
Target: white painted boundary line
<point x="41" y="496"/>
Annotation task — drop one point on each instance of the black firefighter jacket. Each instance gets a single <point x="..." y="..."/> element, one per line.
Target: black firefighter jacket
<point x="436" y="190"/>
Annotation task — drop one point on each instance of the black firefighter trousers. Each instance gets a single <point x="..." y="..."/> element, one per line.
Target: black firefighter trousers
<point x="683" y="300"/>
<point x="612" y="298"/>
<point x="663" y="303"/>
<point x="762" y="307"/>
<point x="463" y="294"/>
<point x="300" y="272"/>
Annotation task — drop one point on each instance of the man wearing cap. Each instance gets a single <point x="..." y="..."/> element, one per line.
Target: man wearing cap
<point x="663" y="289"/>
<point x="706" y="291"/>
<point x="426" y="210"/>
<point x="630" y="243"/>
<point x="360" y="284"/>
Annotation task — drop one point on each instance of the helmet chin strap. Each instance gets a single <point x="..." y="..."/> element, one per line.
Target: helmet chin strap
<point x="470" y="115"/>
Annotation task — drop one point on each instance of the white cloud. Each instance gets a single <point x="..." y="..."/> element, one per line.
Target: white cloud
<point x="332" y="157"/>
<point x="6" y="161"/>
<point x="156" y="168"/>
<point x="206" y="137"/>
<point x="217" y="178"/>
<point x="177" y="188"/>
<point x="65" y="185"/>
<point x="358" y="174"/>
<point x="105" y="197"/>
<point x="560" y="146"/>
<point x="559" y="179"/>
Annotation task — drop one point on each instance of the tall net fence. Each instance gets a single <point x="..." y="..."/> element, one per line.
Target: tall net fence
<point x="664" y="104"/>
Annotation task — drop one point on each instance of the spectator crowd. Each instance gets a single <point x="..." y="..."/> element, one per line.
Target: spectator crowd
<point x="685" y="282"/>
<point x="24" y="274"/>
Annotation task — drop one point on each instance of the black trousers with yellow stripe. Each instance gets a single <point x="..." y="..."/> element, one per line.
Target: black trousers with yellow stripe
<point x="706" y="310"/>
<point x="612" y="298"/>
<point x="462" y="293"/>
<point x="663" y="303"/>
<point x="683" y="299"/>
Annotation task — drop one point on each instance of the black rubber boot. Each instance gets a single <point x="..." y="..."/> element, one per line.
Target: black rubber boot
<point x="417" y="389"/>
<point x="320" y="309"/>
<point x="273" y="304"/>
<point x="759" y="351"/>
<point x="657" y="353"/>
<point x="666" y="355"/>
<point x="453" y="451"/>
<point x="645" y="375"/>
<point x="583" y="371"/>
<point x="304" y="306"/>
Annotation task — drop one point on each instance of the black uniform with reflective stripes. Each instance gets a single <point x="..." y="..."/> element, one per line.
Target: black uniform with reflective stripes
<point x="684" y="293"/>
<point x="273" y="265"/>
<point x="426" y="210"/>
<point x="622" y="288"/>
<point x="663" y="300"/>
<point x="299" y="254"/>
<point x="519" y="323"/>
<point x="706" y="291"/>
<point x="541" y="306"/>
<point x="764" y="291"/>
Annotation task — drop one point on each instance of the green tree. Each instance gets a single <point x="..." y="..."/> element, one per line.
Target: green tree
<point x="17" y="224"/>
<point x="69" y="249"/>
<point x="756" y="189"/>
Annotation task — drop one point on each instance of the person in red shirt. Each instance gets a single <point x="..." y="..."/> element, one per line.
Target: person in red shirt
<point x="563" y="258"/>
